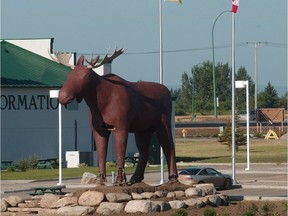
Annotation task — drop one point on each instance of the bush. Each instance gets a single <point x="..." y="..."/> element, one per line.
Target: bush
<point x="32" y="161"/>
<point x="180" y="212"/>
<point x="253" y="209"/>
<point x="110" y="164"/>
<point x="22" y="164"/>
<point x="11" y="169"/>
<point x="209" y="212"/>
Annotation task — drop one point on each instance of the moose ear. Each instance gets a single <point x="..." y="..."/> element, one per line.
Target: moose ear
<point x="80" y="61"/>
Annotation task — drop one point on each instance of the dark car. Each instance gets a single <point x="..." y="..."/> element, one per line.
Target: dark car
<point x="200" y="175"/>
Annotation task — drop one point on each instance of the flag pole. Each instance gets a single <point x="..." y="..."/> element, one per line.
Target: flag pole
<point x="161" y="82"/>
<point x="233" y="98"/>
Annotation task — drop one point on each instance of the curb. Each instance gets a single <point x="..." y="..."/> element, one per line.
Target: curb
<point x="256" y="198"/>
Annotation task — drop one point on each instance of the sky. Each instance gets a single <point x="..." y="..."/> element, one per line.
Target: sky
<point x="93" y="26"/>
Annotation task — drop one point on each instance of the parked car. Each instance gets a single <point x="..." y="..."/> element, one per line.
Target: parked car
<point x="252" y="115"/>
<point x="200" y="175"/>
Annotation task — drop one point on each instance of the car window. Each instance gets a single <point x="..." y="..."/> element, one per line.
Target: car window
<point x="212" y="172"/>
<point x="203" y="172"/>
<point x="193" y="171"/>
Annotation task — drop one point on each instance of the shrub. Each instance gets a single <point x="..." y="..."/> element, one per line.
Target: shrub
<point x="180" y="212"/>
<point x="11" y="169"/>
<point x="82" y="165"/>
<point x="209" y="212"/>
<point x="32" y="161"/>
<point x="268" y="208"/>
<point x="22" y="164"/>
<point x="110" y="164"/>
<point x="253" y="209"/>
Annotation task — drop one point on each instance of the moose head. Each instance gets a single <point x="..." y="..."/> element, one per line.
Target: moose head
<point x="82" y="77"/>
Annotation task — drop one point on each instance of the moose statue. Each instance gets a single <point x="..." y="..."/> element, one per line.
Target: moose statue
<point x="120" y="107"/>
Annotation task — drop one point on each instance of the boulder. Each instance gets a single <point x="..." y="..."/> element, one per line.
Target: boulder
<point x="136" y="196"/>
<point x="108" y="208"/>
<point x="65" y="201"/>
<point x="143" y="206"/>
<point x="4" y="205"/>
<point x="148" y="195"/>
<point x="48" y="200"/>
<point x="179" y="194"/>
<point x="194" y="202"/>
<point x="164" y="206"/>
<point x="13" y="200"/>
<point x="88" y="178"/>
<point x="224" y="199"/>
<point x="176" y="204"/>
<point x="206" y="189"/>
<point x="161" y="193"/>
<point x="118" y="197"/>
<point x="171" y="194"/>
<point x="91" y="198"/>
<point x="75" y="210"/>
<point x="214" y="200"/>
<point x="189" y="192"/>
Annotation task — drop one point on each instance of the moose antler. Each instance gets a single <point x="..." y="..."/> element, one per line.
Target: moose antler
<point x="106" y="59"/>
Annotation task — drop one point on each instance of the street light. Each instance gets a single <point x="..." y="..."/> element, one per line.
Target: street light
<point x="193" y="89"/>
<point x="213" y="67"/>
<point x="243" y="84"/>
<point x="256" y="44"/>
<point x="161" y="81"/>
<point x="55" y="94"/>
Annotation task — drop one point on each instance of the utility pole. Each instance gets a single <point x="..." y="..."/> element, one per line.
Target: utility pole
<point x="256" y="44"/>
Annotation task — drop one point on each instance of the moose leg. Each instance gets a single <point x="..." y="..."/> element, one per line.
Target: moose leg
<point x="143" y="140"/>
<point x="120" y="138"/>
<point x="101" y="147"/>
<point x="166" y="142"/>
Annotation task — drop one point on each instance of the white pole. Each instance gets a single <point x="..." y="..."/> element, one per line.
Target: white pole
<point x="55" y="94"/>
<point x="161" y="82"/>
<point x="247" y="125"/>
<point x="60" y="145"/>
<point x="233" y="98"/>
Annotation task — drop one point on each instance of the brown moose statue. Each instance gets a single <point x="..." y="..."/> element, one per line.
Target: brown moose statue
<point x="120" y="107"/>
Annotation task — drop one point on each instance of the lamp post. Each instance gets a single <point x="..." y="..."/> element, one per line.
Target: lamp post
<point x="243" y="84"/>
<point x="213" y="59"/>
<point x="55" y="94"/>
<point x="161" y="82"/>
<point x="256" y="44"/>
<point x="193" y="89"/>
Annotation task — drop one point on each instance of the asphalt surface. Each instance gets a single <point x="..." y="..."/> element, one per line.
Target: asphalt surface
<point x="262" y="182"/>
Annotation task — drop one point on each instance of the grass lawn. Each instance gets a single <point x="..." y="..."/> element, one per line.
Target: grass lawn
<point x="193" y="150"/>
<point x="212" y="151"/>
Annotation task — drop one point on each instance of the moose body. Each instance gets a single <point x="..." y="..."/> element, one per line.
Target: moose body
<point x="120" y="106"/>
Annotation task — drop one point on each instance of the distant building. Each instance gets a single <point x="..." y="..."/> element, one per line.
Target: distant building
<point x="29" y="117"/>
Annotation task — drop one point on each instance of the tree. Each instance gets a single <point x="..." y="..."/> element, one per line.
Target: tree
<point x="226" y="136"/>
<point x="240" y="93"/>
<point x="268" y="98"/>
<point x="283" y="101"/>
<point x="183" y="101"/>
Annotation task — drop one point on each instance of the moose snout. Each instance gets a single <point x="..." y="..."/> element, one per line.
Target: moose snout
<point x="65" y="97"/>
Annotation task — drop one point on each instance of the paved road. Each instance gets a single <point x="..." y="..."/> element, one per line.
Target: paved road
<point x="262" y="181"/>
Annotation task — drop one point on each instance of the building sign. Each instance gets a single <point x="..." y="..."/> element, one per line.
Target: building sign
<point x="28" y="102"/>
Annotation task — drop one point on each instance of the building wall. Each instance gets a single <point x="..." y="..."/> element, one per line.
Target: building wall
<point x="29" y="126"/>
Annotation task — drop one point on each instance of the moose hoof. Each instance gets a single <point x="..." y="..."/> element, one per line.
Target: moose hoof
<point x="173" y="179"/>
<point x="120" y="184"/>
<point x="101" y="179"/>
<point x="134" y="180"/>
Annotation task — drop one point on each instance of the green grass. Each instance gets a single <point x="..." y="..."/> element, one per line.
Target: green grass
<point x="211" y="151"/>
<point x="193" y="150"/>
<point x="38" y="174"/>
